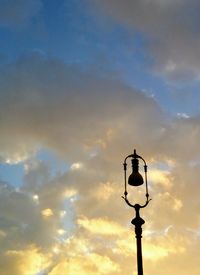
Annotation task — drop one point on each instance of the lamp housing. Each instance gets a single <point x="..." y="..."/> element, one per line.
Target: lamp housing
<point x="135" y="179"/>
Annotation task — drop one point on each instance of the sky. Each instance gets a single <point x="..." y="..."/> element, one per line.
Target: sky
<point x="82" y="84"/>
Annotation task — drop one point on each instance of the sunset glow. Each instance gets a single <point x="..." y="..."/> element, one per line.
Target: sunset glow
<point x="82" y="84"/>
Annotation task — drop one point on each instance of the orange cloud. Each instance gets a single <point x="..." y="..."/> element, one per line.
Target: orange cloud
<point x="29" y="261"/>
<point x="101" y="226"/>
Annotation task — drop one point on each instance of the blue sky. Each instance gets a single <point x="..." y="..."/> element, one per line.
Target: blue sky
<point x="83" y="83"/>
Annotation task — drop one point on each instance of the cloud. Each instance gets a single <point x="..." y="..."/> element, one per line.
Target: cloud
<point x="101" y="226"/>
<point x="160" y="177"/>
<point x="26" y="261"/>
<point x="90" y="264"/>
<point x="77" y="219"/>
<point x="76" y="103"/>
<point x="170" y="27"/>
<point x="156" y="248"/>
<point x="20" y="219"/>
<point x="18" y="12"/>
<point x="47" y="212"/>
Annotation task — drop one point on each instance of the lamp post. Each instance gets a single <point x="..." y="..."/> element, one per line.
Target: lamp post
<point x="136" y="179"/>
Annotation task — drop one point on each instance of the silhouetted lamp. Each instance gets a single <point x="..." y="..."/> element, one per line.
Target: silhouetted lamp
<point x="135" y="179"/>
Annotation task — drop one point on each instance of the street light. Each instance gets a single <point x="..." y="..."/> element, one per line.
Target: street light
<point x="136" y="179"/>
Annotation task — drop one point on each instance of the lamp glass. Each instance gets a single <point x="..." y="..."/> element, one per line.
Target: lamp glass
<point x="135" y="179"/>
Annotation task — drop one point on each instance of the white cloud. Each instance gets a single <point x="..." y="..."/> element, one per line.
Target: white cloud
<point x="76" y="165"/>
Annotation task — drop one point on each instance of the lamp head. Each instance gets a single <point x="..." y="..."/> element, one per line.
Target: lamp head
<point x="135" y="179"/>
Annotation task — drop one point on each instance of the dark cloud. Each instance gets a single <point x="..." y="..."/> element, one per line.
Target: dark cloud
<point x="47" y="102"/>
<point x="171" y="29"/>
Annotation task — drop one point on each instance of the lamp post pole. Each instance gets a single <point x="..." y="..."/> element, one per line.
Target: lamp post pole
<point x="136" y="179"/>
<point x="138" y="222"/>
